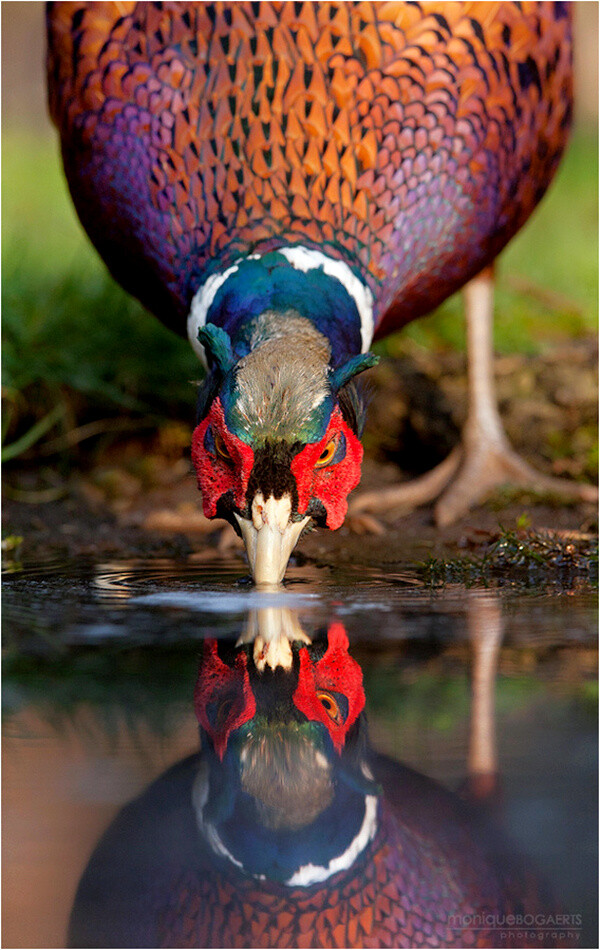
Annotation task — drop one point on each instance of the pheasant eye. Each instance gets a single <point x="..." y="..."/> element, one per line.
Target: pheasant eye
<point x="334" y="451"/>
<point x="214" y="443"/>
<point x="327" y="454"/>
<point x="221" y="448"/>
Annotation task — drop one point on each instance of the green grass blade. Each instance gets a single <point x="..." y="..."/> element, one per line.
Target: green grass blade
<point x="32" y="435"/>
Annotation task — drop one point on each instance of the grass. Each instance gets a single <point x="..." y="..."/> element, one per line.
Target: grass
<point x="76" y="347"/>
<point x="78" y="351"/>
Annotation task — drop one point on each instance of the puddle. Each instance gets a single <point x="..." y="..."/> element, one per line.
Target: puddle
<point x="101" y="660"/>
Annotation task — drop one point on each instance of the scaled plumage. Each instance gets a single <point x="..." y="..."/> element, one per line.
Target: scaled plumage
<point x="409" y="140"/>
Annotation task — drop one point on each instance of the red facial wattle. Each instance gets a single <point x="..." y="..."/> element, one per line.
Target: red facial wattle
<point x="218" y="475"/>
<point x="330" y="480"/>
<point x="227" y="692"/>
<point x="336" y="672"/>
<point x="331" y="484"/>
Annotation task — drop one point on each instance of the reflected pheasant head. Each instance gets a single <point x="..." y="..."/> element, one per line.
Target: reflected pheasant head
<point x="284" y="790"/>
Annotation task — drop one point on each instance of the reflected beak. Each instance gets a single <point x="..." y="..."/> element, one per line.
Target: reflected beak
<point x="272" y="631"/>
<point x="270" y="537"/>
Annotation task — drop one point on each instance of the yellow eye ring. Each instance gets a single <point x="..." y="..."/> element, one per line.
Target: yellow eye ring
<point x="330" y="706"/>
<point x="327" y="454"/>
<point x="220" y="447"/>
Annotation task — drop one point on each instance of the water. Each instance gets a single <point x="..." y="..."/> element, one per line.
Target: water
<point x="100" y="662"/>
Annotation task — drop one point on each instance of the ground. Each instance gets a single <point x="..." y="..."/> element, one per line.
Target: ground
<point x="137" y="496"/>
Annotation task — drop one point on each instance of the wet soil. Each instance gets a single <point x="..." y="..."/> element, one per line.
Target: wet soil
<point x="138" y="497"/>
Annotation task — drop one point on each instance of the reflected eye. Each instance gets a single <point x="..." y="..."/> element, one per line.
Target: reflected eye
<point x="218" y="711"/>
<point x="331" y="706"/>
<point x="223" y="712"/>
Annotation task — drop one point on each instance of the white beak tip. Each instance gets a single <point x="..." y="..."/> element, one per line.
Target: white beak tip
<point x="270" y="537"/>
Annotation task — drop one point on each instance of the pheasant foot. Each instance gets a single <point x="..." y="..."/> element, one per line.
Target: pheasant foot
<point x="485" y="460"/>
<point x="466" y="478"/>
<point x="408" y="495"/>
<point x="488" y="465"/>
<point x="361" y="523"/>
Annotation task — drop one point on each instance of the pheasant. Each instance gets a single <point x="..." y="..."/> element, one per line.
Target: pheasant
<point x="289" y="182"/>
<point x="288" y="830"/>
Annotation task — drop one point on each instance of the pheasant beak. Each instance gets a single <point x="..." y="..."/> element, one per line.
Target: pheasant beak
<point x="270" y="537"/>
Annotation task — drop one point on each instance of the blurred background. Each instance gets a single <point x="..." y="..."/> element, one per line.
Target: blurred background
<point x="86" y="373"/>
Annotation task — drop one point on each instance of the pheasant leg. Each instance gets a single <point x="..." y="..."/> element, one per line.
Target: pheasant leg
<point x="485" y="460"/>
<point x="485" y="629"/>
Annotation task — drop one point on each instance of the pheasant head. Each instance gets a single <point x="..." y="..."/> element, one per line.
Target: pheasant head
<point x="277" y="445"/>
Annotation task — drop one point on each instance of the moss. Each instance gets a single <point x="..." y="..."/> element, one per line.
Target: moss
<point x="523" y="555"/>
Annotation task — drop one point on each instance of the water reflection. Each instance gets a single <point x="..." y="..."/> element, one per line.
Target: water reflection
<point x="287" y="829"/>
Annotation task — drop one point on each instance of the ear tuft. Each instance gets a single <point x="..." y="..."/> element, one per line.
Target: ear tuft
<point x="217" y="344"/>
<point x="353" y="367"/>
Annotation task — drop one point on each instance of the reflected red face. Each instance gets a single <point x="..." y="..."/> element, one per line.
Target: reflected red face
<point x="327" y="470"/>
<point x="223" y="698"/>
<point x="329" y="691"/>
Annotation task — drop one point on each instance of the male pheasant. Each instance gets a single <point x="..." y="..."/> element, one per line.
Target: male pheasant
<point x="290" y="181"/>
<point x="288" y="831"/>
